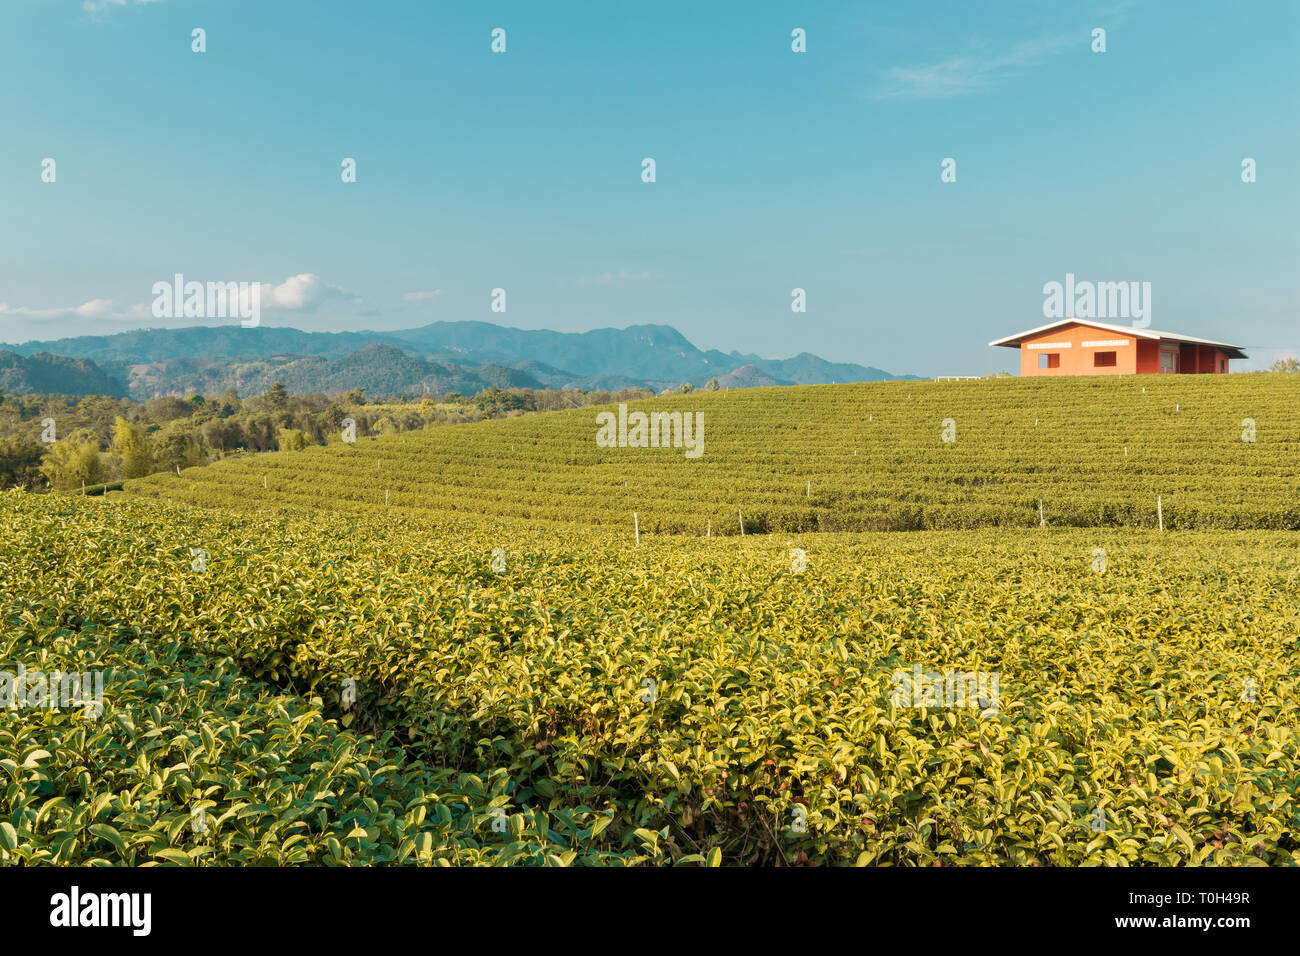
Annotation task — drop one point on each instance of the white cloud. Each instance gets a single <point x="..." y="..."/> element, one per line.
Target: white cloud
<point x="94" y="309"/>
<point x="961" y="75"/>
<point x="99" y="9"/>
<point x="302" y="293"/>
<point x="421" y="296"/>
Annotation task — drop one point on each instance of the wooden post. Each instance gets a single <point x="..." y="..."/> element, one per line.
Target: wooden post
<point x="810" y="491"/>
<point x="636" y="524"/>
<point x="83" y="487"/>
<point x="178" y="471"/>
<point x="264" y="481"/>
<point x="1160" y="512"/>
<point x="742" y="522"/>
<point x="385" y="497"/>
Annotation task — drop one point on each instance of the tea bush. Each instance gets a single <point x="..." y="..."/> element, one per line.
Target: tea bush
<point x="688" y="701"/>
<point x="870" y="457"/>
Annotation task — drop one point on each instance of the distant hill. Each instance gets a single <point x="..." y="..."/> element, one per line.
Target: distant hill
<point x="444" y="356"/>
<point x="55" y="374"/>
<point x="378" y="369"/>
<point x="747" y="376"/>
<point x="210" y="342"/>
<point x="808" y="369"/>
<point x="649" y="354"/>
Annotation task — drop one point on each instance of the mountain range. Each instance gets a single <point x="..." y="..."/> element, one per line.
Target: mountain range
<point x="442" y="357"/>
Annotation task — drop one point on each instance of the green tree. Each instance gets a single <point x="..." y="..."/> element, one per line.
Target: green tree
<point x="1286" y="365"/>
<point x="230" y="403"/>
<point x="277" y="397"/>
<point x="132" y="445"/>
<point x="74" y="461"/>
<point x="175" y="447"/>
<point x="292" y="439"/>
<point x="495" y="401"/>
<point x="20" y="462"/>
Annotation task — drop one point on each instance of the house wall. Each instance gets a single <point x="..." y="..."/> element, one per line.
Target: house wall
<point x="1148" y="357"/>
<point x="1200" y="359"/>
<point x="1076" y="358"/>
<point x="1208" y="359"/>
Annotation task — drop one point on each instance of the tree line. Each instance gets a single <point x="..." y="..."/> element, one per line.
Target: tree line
<point x="67" y="442"/>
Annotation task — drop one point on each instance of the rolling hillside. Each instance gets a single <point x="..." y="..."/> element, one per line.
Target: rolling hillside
<point x="687" y="701"/>
<point x="1095" y="452"/>
<point x="947" y="697"/>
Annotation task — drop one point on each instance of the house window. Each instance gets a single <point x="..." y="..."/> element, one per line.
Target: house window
<point x="1168" y="361"/>
<point x="1104" y="359"/>
<point x="1049" y="360"/>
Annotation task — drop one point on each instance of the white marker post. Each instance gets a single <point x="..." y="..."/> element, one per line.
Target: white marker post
<point x="636" y="525"/>
<point x="810" y="491"/>
<point x="742" y="522"/>
<point x="1042" y="521"/>
<point x="1160" y="512"/>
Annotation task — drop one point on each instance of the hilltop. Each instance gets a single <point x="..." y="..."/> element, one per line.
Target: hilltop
<point x="1094" y="452"/>
<point x="55" y="374"/>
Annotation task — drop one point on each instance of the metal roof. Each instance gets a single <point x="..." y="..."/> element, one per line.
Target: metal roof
<point x="1013" y="341"/>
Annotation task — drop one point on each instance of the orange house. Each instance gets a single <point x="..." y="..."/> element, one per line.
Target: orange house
<point x="1085" y="347"/>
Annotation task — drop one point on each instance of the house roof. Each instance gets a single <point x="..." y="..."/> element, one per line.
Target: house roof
<point x="1013" y="341"/>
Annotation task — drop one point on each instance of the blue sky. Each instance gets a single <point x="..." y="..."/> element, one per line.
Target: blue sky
<point x="775" y="169"/>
